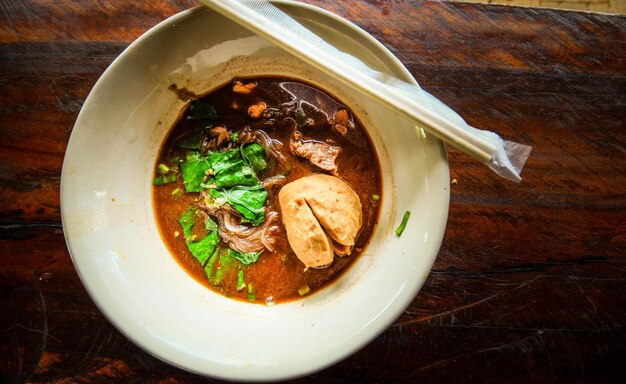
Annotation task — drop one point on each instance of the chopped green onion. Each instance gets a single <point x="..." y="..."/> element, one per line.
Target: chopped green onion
<point x="375" y="197"/>
<point x="163" y="169"/>
<point x="304" y="290"/>
<point x="251" y="295"/>
<point x="402" y="225"/>
<point x="176" y="193"/>
<point x="234" y="137"/>
<point x="240" y="283"/>
<point x="420" y="132"/>
<point x="164" y="179"/>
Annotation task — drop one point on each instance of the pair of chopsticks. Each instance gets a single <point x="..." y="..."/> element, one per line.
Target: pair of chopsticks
<point x="267" y="21"/>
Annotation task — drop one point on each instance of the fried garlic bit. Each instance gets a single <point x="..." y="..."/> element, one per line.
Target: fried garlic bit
<point x="341" y="122"/>
<point x="255" y="110"/>
<point x="244" y="89"/>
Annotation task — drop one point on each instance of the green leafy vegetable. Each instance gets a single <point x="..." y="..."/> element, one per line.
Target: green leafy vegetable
<point x="187" y="221"/>
<point x="254" y="154"/>
<point x="200" y="110"/>
<point x="249" y="201"/>
<point x="244" y="258"/>
<point x="204" y="114"/>
<point x="195" y="138"/>
<point x="237" y="174"/>
<point x="405" y="220"/>
<point x="194" y="169"/>
<point x="224" y="160"/>
<point x="208" y="269"/>
<point x="225" y="266"/>
<point x="238" y="166"/>
<point x="210" y="225"/>
<point x="231" y="179"/>
<point x="223" y="261"/>
<point x="202" y="249"/>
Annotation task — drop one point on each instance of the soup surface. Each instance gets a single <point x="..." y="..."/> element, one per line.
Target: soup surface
<point x="218" y="182"/>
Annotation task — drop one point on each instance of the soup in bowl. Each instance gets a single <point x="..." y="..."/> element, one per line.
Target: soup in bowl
<point x="255" y="189"/>
<point x="146" y="279"/>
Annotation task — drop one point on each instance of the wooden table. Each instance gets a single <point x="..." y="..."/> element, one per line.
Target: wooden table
<point x="529" y="283"/>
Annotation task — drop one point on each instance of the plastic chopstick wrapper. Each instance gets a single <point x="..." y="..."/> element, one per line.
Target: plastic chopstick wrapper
<point x="506" y="158"/>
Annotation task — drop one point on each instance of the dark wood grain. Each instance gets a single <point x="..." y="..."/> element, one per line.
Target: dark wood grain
<point x="529" y="283"/>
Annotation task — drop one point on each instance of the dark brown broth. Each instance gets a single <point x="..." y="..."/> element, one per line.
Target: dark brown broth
<point x="277" y="275"/>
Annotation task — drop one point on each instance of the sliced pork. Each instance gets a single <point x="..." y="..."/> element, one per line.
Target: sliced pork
<point x="321" y="154"/>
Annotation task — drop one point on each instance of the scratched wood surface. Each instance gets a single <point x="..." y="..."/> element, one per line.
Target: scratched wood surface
<point x="529" y="283"/>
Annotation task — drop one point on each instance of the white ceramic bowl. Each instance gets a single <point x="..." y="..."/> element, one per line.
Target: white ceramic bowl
<point x="115" y="245"/>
